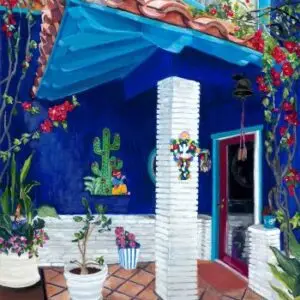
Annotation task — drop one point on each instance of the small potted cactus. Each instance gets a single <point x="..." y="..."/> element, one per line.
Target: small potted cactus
<point x="269" y="218"/>
<point x="128" y="248"/>
<point x="85" y="278"/>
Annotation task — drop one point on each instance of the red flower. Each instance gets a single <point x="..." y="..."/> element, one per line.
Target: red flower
<point x="287" y="69"/>
<point x="257" y="41"/>
<point x="68" y="106"/>
<point x="290" y="46"/>
<point x="278" y="55"/>
<point x="297" y="50"/>
<point x="291" y="189"/>
<point x="282" y="130"/>
<point x="292" y="118"/>
<point x="5" y="29"/>
<point x="11" y="20"/>
<point x="276" y="82"/>
<point x="27" y="106"/>
<point x="290" y="140"/>
<point x="275" y="75"/>
<point x="9" y="3"/>
<point x="260" y="79"/>
<point x="230" y="13"/>
<point x="287" y="106"/>
<point x="57" y="113"/>
<point x="247" y="1"/>
<point x="213" y="11"/>
<point x="263" y="88"/>
<point x="46" y="126"/>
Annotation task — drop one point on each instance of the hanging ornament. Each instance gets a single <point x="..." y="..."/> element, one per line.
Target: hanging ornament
<point x="205" y="161"/>
<point x="242" y="91"/>
<point x="184" y="150"/>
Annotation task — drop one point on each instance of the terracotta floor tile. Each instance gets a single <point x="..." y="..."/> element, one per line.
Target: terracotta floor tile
<point x="130" y="288"/>
<point x="152" y="284"/>
<point x="118" y="296"/>
<point x="49" y="274"/>
<point x="113" y="268"/>
<point x="113" y="282"/>
<point x="59" y="280"/>
<point x="211" y="295"/>
<point x="106" y="292"/>
<point x="142" y="277"/>
<point x="62" y="296"/>
<point x="58" y="269"/>
<point x="201" y="291"/>
<point x="151" y="268"/>
<point x="237" y="294"/>
<point x="250" y="295"/>
<point x="52" y="290"/>
<point x="147" y="294"/>
<point x="143" y="265"/>
<point x="201" y="283"/>
<point x="125" y="273"/>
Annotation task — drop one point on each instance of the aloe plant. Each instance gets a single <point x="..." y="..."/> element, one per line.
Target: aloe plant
<point x="18" y="193"/>
<point x="287" y="271"/>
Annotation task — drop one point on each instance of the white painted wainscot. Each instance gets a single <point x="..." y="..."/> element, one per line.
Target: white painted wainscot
<point x="59" y="249"/>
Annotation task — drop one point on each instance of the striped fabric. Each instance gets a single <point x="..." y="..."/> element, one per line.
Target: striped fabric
<point x="128" y="257"/>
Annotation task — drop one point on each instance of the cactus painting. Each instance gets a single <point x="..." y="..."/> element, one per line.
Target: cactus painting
<point x="106" y="180"/>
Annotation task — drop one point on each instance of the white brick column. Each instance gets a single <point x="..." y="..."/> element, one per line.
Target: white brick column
<point x="260" y="254"/>
<point x="176" y="200"/>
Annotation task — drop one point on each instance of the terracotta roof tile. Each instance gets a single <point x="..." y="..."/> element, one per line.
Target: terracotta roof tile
<point x="169" y="11"/>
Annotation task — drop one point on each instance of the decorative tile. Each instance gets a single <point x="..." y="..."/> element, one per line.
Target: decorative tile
<point x="130" y="288"/>
<point x="142" y="277"/>
<point x="113" y="282"/>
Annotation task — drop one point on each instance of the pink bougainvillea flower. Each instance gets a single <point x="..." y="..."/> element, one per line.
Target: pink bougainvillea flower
<point x="292" y="118"/>
<point x="290" y="141"/>
<point x="46" y="126"/>
<point x="27" y="106"/>
<point x="291" y="189"/>
<point x="68" y="106"/>
<point x="131" y="236"/>
<point x="278" y="55"/>
<point x="287" y="106"/>
<point x="257" y="41"/>
<point x="132" y="244"/>
<point x="119" y="231"/>
<point x="57" y="113"/>
<point x="230" y="13"/>
<point x="260" y="79"/>
<point x="287" y="69"/>
<point x="6" y="30"/>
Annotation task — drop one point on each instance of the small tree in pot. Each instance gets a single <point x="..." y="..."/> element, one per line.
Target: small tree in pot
<point x="84" y="277"/>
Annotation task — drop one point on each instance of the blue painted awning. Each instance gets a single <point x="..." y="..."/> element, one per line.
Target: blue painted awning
<point x="97" y="44"/>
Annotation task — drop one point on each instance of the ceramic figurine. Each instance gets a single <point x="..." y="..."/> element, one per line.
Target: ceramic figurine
<point x="119" y="187"/>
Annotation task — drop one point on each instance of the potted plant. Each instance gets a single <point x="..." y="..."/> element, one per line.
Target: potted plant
<point x="21" y="230"/>
<point x="85" y="278"/>
<point x="128" y="248"/>
<point x="269" y="218"/>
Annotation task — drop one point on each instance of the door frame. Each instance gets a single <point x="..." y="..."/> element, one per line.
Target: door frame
<point x="258" y="176"/>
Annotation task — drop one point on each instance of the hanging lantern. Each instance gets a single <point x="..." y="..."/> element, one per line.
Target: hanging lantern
<point x="241" y="91"/>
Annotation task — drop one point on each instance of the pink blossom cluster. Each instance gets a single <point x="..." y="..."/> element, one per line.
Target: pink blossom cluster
<point x="19" y="244"/>
<point x="125" y="239"/>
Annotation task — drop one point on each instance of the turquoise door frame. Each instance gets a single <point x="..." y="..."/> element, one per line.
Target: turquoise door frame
<point x="216" y="138"/>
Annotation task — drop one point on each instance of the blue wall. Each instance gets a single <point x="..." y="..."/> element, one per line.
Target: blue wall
<point x="129" y="108"/>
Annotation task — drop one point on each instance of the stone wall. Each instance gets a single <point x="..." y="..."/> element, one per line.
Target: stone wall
<point x="59" y="249"/>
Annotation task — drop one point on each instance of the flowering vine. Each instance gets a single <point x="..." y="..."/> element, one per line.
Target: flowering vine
<point x="278" y="85"/>
<point x="19" y="61"/>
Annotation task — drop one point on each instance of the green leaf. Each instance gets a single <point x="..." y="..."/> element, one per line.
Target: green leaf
<point x="5" y="222"/>
<point x="288" y="281"/>
<point x="290" y="265"/>
<point x="100" y="209"/>
<point x="25" y="169"/>
<point x="17" y="149"/>
<point x="77" y="219"/>
<point x="36" y="135"/>
<point x="282" y="295"/>
<point x="47" y="211"/>
<point x="295" y="220"/>
<point x="266" y="102"/>
<point x="85" y="203"/>
<point x="17" y="142"/>
<point x="4" y="200"/>
<point x="28" y="187"/>
<point x="65" y="125"/>
<point x="294" y="246"/>
<point x="286" y="92"/>
<point x="268" y="116"/>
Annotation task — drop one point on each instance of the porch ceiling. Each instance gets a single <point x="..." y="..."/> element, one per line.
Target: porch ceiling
<point x="96" y="44"/>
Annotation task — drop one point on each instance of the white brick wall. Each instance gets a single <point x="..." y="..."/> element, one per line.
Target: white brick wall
<point x="260" y="254"/>
<point x="59" y="249"/>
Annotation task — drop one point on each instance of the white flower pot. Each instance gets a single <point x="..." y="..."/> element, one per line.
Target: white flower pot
<point x="85" y="287"/>
<point x="18" y="272"/>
